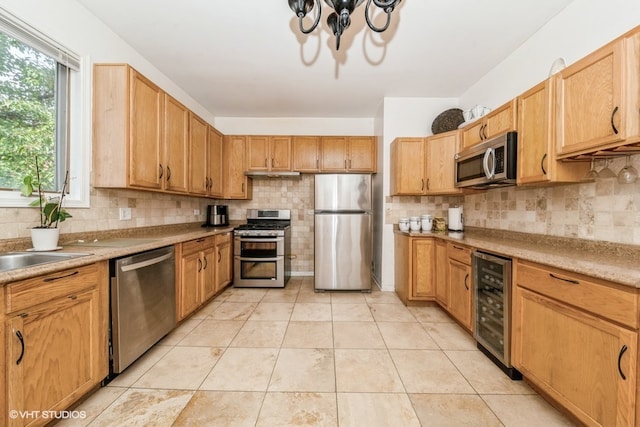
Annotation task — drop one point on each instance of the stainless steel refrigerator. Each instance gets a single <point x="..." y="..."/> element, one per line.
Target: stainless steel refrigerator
<point x="342" y="232"/>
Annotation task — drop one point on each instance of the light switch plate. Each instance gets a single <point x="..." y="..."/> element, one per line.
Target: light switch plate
<point x="125" y="214"/>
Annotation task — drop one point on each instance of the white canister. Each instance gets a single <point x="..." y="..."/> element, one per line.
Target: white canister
<point x="426" y="222"/>
<point x="414" y="223"/>
<point x="404" y="224"/>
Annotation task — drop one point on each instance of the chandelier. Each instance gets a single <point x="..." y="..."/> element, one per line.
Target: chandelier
<point x="340" y="19"/>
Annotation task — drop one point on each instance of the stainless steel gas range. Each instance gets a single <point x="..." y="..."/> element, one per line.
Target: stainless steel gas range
<point x="262" y="248"/>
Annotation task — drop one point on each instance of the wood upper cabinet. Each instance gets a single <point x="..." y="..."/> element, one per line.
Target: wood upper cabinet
<point x="537" y="163"/>
<point x="408" y="166"/>
<point x="269" y="153"/>
<point x="441" y="150"/>
<point x="598" y="99"/>
<point x="56" y="340"/>
<point x="215" y="183"/>
<point x="236" y="184"/>
<point x="499" y="121"/>
<point x="348" y="154"/>
<point x="460" y="284"/>
<point x="584" y="348"/>
<point x="306" y="153"/>
<point x="415" y="268"/>
<point x="127" y="128"/>
<point x="199" y="165"/>
<point x="175" y="166"/>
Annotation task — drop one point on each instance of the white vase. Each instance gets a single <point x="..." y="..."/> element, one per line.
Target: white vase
<point x="45" y="239"/>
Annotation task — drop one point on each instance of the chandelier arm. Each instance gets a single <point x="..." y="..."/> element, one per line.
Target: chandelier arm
<point x="370" y="24"/>
<point x="382" y="3"/>
<point x="315" y="23"/>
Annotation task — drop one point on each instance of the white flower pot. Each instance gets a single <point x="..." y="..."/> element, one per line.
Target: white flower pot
<point x="45" y="239"/>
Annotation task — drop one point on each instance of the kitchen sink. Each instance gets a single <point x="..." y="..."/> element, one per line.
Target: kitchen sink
<point x="15" y="260"/>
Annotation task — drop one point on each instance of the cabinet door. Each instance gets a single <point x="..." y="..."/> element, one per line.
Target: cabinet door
<point x="176" y="145"/>
<point x="408" y="166"/>
<point x="362" y="154"/>
<point x="566" y="351"/>
<point x="590" y="103"/>
<point x="198" y="135"/>
<point x="535" y="133"/>
<point x="52" y="353"/>
<point x="334" y="154"/>
<point x="237" y="185"/>
<point x="472" y="134"/>
<point x="208" y="273"/>
<point x="189" y="286"/>
<point x="501" y="120"/>
<point x="460" y="292"/>
<point x="145" y="145"/>
<point x="306" y="153"/>
<point x="441" y="150"/>
<point x="423" y="261"/>
<point x="224" y="258"/>
<point x="258" y="153"/>
<point x="441" y="279"/>
<point x="214" y="166"/>
<point x="280" y="153"/>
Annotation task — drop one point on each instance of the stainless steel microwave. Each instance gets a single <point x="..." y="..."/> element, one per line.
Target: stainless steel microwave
<point x="491" y="163"/>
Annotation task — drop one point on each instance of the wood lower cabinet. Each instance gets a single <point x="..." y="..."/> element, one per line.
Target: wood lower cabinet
<point x="56" y="340"/>
<point x="224" y="260"/>
<point x="196" y="282"/>
<point x="442" y="278"/>
<point x="499" y="121"/>
<point x="460" y="284"/>
<point x="341" y="154"/>
<point x="415" y="268"/>
<point x="587" y="362"/>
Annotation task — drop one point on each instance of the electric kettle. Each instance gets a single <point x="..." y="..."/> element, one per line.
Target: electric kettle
<point x="456" y="219"/>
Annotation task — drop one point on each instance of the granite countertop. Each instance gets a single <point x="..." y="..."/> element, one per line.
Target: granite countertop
<point x="125" y="242"/>
<point x="603" y="260"/>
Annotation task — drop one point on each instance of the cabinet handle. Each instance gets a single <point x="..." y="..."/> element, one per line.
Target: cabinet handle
<point x="21" y="338"/>
<point x="458" y="248"/>
<point x="422" y="184"/>
<point x="480" y="132"/>
<point x="168" y="173"/>
<point x="273" y="163"/>
<point x="219" y="257"/>
<point x="73" y="297"/>
<point x="428" y="181"/>
<point x="206" y="263"/>
<point x="466" y="279"/>
<point x="199" y="265"/>
<point x="613" y="126"/>
<point x="52" y="279"/>
<point x="349" y="163"/>
<point x="544" y="171"/>
<point x="345" y="163"/>
<point x="161" y="170"/>
<point x="265" y="162"/>
<point x="575" y="282"/>
<point x="243" y="187"/>
<point x="317" y="164"/>
<point x="622" y="351"/>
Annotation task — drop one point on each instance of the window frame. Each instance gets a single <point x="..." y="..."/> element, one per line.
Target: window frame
<point x="77" y="129"/>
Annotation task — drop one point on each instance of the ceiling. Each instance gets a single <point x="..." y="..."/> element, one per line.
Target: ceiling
<point x="248" y="59"/>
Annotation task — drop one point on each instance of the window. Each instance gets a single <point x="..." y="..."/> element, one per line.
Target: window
<point x="40" y="112"/>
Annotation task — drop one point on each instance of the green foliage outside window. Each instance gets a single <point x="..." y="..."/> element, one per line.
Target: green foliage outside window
<point x="27" y="114"/>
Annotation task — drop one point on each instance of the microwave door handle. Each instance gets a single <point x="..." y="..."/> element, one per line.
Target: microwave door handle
<point x="489" y="171"/>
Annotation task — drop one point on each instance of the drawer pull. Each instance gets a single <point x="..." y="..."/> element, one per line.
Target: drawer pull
<point x="52" y="279"/>
<point x="622" y="351"/>
<point x="458" y="247"/>
<point x="575" y="282"/>
<point x="21" y="338"/>
<point x="466" y="280"/>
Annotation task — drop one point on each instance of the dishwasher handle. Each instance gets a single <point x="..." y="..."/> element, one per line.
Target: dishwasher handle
<point x="147" y="263"/>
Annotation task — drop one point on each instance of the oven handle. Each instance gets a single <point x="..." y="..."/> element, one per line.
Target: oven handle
<point x="259" y="259"/>
<point x="259" y="240"/>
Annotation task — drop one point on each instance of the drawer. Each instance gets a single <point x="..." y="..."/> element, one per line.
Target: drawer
<point x="197" y="245"/>
<point x="27" y="293"/>
<point x="596" y="296"/>
<point x="458" y="252"/>
<point x="223" y="238"/>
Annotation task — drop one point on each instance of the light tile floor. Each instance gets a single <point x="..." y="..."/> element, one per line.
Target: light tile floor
<point x="292" y="357"/>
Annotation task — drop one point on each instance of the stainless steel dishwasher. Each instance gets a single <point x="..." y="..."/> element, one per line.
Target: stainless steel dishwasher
<point x="143" y="303"/>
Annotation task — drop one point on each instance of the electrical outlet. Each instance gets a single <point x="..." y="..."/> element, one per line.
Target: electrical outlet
<point x="125" y="214"/>
<point x="196" y="211"/>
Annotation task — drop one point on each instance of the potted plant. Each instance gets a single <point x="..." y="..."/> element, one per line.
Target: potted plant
<point x="45" y="236"/>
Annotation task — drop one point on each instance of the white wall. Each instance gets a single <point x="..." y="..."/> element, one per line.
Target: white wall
<point x="293" y="126"/>
<point x="581" y="28"/>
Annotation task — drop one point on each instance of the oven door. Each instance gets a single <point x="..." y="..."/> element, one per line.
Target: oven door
<point x="259" y="262"/>
<point x="258" y="247"/>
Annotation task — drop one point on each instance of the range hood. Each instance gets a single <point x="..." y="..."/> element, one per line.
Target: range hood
<point x="273" y="174"/>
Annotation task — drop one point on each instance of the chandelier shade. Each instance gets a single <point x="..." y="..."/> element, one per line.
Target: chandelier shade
<point x="340" y="19"/>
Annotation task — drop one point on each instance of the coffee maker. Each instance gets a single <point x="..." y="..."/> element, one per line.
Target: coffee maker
<point x="217" y="216"/>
